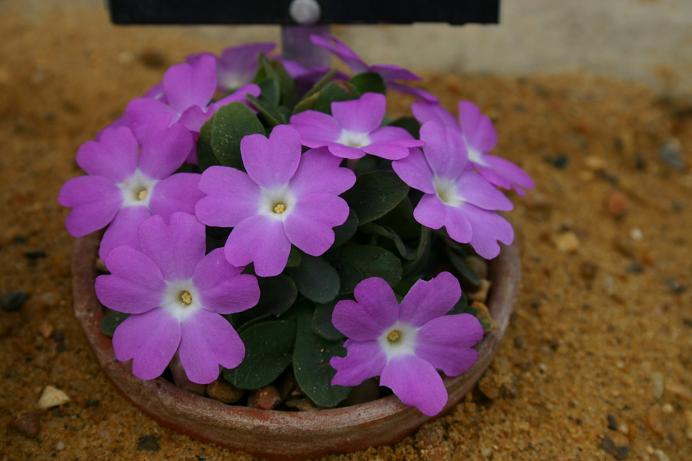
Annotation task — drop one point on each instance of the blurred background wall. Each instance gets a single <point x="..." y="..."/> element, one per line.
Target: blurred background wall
<point x="643" y="40"/>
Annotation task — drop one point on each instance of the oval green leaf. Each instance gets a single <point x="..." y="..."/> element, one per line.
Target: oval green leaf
<point x="375" y="194"/>
<point x="357" y="262"/>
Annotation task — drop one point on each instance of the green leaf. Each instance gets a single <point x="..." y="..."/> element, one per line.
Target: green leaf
<point x="311" y="368"/>
<point x="316" y="279"/>
<point x="369" y="82"/>
<point x="270" y="92"/>
<point x="388" y="233"/>
<point x="462" y="268"/>
<point x="277" y="295"/>
<point x="344" y="232"/>
<point x="223" y="132"/>
<point x="294" y="257"/>
<point x="357" y="262"/>
<point x="268" y="351"/>
<point x="409" y="124"/>
<point x="269" y="112"/>
<point x="322" y="322"/>
<point x="110" y="322"/>
<point x="375" y="194"/>
<point x="205" y="154"/>
<point x="311" y="96"/>
<point x="401" y="220"/>
<point x="423" y="253"/>
<point x="333" y="92"/>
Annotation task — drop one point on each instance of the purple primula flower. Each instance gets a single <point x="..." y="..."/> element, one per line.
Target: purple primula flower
<point x="127" y="182"/>
<point x="480" y="138"/>
<point x="405" y="344"/>
<point x="284" y="198"/>
<point x="187" y="91"/>
<point x="176" y="297"/>
<point x="237" y="65"/>
<point x="392" y="74"/>
<point x="354" y="130"/>
<point x="456" y="197"/>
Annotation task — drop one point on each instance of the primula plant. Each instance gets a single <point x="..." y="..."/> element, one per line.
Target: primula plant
<point x="264" y="223"/>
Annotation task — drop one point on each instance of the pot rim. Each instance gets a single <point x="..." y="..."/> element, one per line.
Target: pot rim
<point x="169" y="404"/>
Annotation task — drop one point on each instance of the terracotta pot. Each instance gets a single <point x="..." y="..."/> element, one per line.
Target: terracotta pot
<point x="280" y="434"/>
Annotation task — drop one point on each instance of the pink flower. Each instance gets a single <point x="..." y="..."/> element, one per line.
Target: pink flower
<point x="284" y="198"/>
<point x="237" y="65"/>
<point x="353" y="130"/>
<point x="127" y="182"/>
<point x="480" y="138"/>
<point x="456" y="197"/>
<point x="187" y="92"/>
<point x="176" y="297"/>
<point x="392" y="75"/>
<point x="404" y="344"/>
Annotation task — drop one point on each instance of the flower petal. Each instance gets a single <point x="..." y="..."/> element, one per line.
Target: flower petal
<point x="444" y="149"/>
<point x="123" y="230"/>
<point x="340" y="50"/>
<point x="510" y="172"/>
<point x="222" y="287"/>
<point x="94" y="200"/>
<point x="427" y="300"/>
<point x="419" y="93"/>
<point x="425" y="112"/>
<point x="376" y="294"/>
<point x="175" y="247"/>
<point x="477" y="127"/>
<point x="146" y="114"/>
<point x="135" y="285"/>
<point x="362" y="322"/>
<point x="179" y="192"/>
<point x="309" y="226"/>
<point x="150" y="339"/>
<point x="364" y="360"/>
<point x="474" y="189"/>
<point x="415" y="171"/>
<point x="319" y="171"/>
<point x="188" y="85"/>
<point x="446" y="342"/>
<point x="316" y="129"/>
<point x="259" y="240"/>
<point x="113" y="156"/>
<point x="237" y="65"/>
<point x="416" y="383"/>
<point x="349" y="152"/>
<point x="430" y="212"/>
<point x="231" y="197"/>
<point x="239" y="95"/>
<point x="164" y="151"/>
<point x="458" y="227"/>
<point x="393" y="72"/>
<point x="361" y="115"/>
<point x="488" y="228"/>
<point x="272" y="161"/>
<point x="208" y="340"/>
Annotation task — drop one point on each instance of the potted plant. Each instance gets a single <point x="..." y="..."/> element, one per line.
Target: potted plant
<point x="284" y="269"/>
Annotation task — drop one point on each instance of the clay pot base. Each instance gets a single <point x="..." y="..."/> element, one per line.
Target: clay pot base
<point x="281" y="434"/>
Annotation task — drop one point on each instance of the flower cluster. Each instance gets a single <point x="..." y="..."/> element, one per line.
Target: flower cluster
<point x="243" y="211"/>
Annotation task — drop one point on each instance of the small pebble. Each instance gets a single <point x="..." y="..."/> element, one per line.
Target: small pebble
<point x="14" y="300"/>
<point x="595" y="163"/>
<point x="654" y="420"/>
<point x="617" y="452"/>
<point x="46" y="329"/>
<point x="149" y="443"/>
<point x="60" y="446"/>
<point x="519" y="342"/>
<point x="658" y="384"/>
<point x="567" y="242"/>
<point x="635" y="267"/>
<point x="559" y="161"/>
<point x="482" y="293"/>
<point x="675" y="286"/>
<point x="612" y="422"/>
<point x="588" y="271"/>
<point x="667" y="408"/>
<point x="34" y="255"/>
<point x="52" y="397"/>
<point x="617" y="204"/>
<point x="28" y="424"/>
<point x="688" y="419"/>
<point x="266" y="398"/>
<point x="636" y="234"/>
<point x="301" y="404"/>
<point x="671" y="154"/>
<point x="223" y="391"/>
<point x="661" y="456"/>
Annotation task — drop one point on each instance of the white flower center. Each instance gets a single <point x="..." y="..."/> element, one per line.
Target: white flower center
<point x="181" y="299"/>
<point x="277" y="203"/>
<point x="398" y="340"/>
<point x="137" y="189"/>
<point x="446" y="191"/>
<point x="353" y="139"/>
<point x="474" y="154"/>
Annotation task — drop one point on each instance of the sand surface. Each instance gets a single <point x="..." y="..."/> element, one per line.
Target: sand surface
<point x="603" y="322"/>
